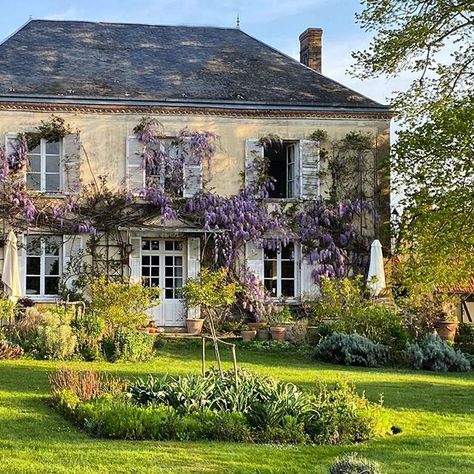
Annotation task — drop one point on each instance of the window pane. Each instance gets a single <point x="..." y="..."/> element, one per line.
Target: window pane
<point x="155" y="271"/>
<point x="155" y="260"/>
<point x="178" y="261"/>
<point x="169" y="245"/>
<point x="52" y="182"/>
<point x="33" y="181"/>
<point x="168" y="282"/>
<point x="288" y="288"/>
<point x="270" y="254"/>
<point x="178" y="271"/>
<point x="34" y="163"/>
<point x="33" y="265"/>
<point x="178" y="282"/>
<point x="287" y="269"/>
<point x="52" y="164"/>
<point x="36" y="150"/>
<point x="169" y="271"/>
<point x="51" y="285"/>
<point x="52" y="245"/>
<point x="145" y="260"/>
<point x="51" y="265"/>
<point x="169" y="261"/>
<point x="155" y="282"/>
<point x="178" y="246"/>
<point x="33" y="246"/>
<point x="270" y="269"/>
<point x="271" y="286"/>
<point x="287" y="252"/>
<point x="155" y="245"/>
<point x="145" y="244"/>
<point x="145" y="271"/>
<point x="169" y="293"/>
<point x="52" y="148"/>
<point x="32" y="285"/>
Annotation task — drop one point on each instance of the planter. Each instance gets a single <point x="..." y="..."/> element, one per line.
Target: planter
<point x="263" y="334"/>
<point x="278" y="333"/>
<point x="248" y="335"/>
<point x="194" y="326"/>
<point x="446" y="329"/>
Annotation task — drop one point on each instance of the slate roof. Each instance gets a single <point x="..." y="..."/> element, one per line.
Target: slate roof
<point x="81" y="59"/>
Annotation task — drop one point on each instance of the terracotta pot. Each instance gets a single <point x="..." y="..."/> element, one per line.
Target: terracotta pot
<point x="248" y="335"/>
<point x="255" y="326"/>
<point x="194" y="326"/>
<point x="278" y="333"/>
<point x="263" y="334"/>
<point x="152" y="330"/>
<point x="446" y="329"/>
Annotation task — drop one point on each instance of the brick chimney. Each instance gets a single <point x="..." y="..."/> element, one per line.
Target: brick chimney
<point x="311" y="48"/>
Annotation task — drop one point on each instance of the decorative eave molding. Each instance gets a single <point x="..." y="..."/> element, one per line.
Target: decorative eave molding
<point x="210" y="111"/>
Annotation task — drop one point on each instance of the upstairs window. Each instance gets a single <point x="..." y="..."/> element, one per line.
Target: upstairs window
<point x="283" y="168"/>
<point x="44" y="167"/>
<point x="279" y="271"/>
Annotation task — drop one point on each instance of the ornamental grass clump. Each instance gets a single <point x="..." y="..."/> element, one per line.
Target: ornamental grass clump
<point x="250" y="407"/>
<point x="352" y="463"/>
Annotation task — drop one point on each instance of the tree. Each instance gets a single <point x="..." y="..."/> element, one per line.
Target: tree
<point x="433" y="158"/>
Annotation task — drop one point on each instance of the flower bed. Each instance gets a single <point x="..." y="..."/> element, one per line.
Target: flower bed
<point x="191" y="407"/>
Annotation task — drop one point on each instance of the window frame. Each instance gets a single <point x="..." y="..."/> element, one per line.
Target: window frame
<point x="279" y="279"/>
<point x="42" y="275"/>
<point x="296" y="181"/>
<point x="43" y="172"/>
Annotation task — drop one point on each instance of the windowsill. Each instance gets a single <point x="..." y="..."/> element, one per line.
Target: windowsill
<point x="292" y="301"/>
<point x="43" y="299"/>
<point x="279" y="200"/>
<point x="49" y="194"/>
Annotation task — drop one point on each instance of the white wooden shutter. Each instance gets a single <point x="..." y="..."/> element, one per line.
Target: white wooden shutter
<point x="309" y="289"/>
<point x="193" y="269"/>
<point x="135" y="166"/>
<point x="194" y="257"/>
<point x="73" y="246"/>
<point x="135" y="260"/>
<point x="309" y="159"/>
<point x="192" y="172"/>
<point x="253" y="150"/>
<point x="254" y="259"/>
<point x="71" y="182"/>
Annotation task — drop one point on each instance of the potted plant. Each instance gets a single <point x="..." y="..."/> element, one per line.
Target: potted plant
<point x="152" y="329"/>
<point x="447" y="323"/>
<point x="247" y="333"/>
<point x="263" y="332"/>
<point x="277" y="324"/>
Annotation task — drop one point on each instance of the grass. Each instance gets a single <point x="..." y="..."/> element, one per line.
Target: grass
<point x="435" y="411"/>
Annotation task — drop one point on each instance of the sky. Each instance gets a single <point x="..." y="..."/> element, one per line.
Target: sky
<point x="275" y="22"/>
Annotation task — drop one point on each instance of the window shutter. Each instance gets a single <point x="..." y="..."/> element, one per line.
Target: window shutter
<point x="192" y="172"/>
<point x="309" y="152"/>
<point x="254" y="259"/>
<point x="309" y="289"/>
<point x="73" y="246"/>
<point x="135" y="167"/>
<point x="194" y="257"/>
<point x="253" y="150"/>
<point x="71" y="163"/>
<point x="135" y="260"/>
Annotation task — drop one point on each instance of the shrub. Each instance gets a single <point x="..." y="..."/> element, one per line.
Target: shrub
<point x="83" y="384"/>
<point x="351" y="349"/>
<point x="465" y="338"/>
<point x="128" y="345"/>
<point x="56" y="338"/>
<point x="10" y="351"/>
<point x="120" y="305"/>
<point x="354" y="464"/>
<point x="25" y="331"/>
<point x="88" y="330"/>
<point x="431" y="353"/>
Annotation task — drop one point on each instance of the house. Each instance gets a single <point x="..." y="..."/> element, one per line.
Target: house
<point x="103" y="78"/>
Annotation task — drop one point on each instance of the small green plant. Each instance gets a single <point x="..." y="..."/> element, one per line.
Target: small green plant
<point x="352" y="463"/>
<point x="128" y="345"/>
<point x="351" y="349"/>
<point x="120" y="305"/>
<point x="7" y="308"/>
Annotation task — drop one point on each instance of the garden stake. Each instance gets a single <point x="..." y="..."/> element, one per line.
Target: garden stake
<point x="234" y="358"/>
<point x="203" y="356"/>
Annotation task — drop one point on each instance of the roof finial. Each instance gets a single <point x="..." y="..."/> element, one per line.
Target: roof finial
<point x="237" y="22"/>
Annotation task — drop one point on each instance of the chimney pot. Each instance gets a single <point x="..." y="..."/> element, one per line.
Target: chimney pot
<point x="311" y="48"/>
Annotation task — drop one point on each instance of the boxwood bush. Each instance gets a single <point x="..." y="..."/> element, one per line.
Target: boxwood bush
<point x="351" y="349"/>
<point x="192" y="407"/>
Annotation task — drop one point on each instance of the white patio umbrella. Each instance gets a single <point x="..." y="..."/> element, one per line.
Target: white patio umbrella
<point x="376" y="276"/>
<point x="11" y="275"/>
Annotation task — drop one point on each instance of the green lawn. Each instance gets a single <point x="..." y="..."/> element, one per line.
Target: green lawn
<point x="435" y="411"/>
